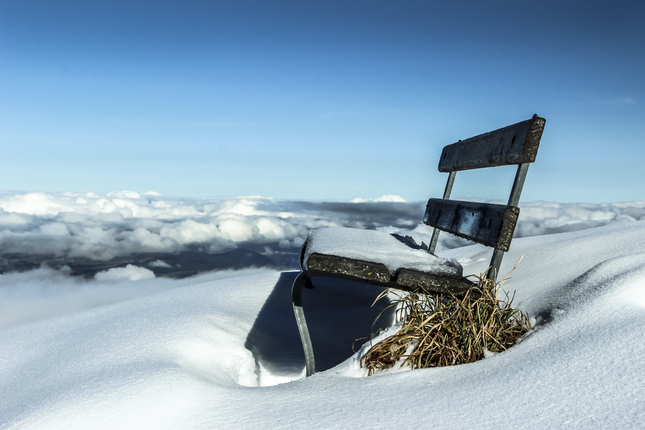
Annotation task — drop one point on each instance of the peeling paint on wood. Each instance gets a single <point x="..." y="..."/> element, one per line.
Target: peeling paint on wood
<point x="489" y="224"/>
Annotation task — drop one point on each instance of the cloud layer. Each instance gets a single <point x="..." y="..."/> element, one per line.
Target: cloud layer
<point x="116" y="224"/>
<point x="103" y="227"/>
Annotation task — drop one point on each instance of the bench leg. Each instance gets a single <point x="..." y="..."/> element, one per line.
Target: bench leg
<point x="495" y="263"/>
<point x="296" y="302"/>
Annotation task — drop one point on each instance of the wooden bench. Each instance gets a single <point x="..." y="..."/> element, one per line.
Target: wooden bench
<point x="381" y="259"/>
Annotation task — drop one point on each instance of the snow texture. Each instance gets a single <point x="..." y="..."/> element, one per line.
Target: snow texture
<point x="208" y="356"/>
<point x="45" y="293"/>
<point x="377" y="247"/>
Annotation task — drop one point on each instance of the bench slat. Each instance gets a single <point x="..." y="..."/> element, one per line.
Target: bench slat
<point x="415" y="281"/>
<point x="489" y="224"/>
<point x="515" y="144"/>
<point x="377" y="274"/>
<point x="348" y="268"/>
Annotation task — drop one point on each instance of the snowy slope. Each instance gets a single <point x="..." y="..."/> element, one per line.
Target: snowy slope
<point x="202" y="356"/>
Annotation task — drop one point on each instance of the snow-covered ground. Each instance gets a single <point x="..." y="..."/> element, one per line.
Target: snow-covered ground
<point x="226" y="353"/>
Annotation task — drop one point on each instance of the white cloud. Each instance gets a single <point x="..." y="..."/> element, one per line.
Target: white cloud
<point x="386" y="198"/>
<point x="124" y="194"/>
<point x="54" y="229"/>
<point x="127" y="273"/>
<point x="117" y="224"/>
<point x="159" y="263"/>
<point x="36" y="204"/>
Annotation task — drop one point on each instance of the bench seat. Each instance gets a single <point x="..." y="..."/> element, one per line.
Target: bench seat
<point x="381" y="259"/>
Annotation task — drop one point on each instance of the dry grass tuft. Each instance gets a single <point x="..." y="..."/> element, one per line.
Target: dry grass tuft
<point x="440" y="330"/>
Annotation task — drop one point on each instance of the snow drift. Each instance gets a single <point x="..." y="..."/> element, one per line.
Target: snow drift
<point x="207" y="355"/>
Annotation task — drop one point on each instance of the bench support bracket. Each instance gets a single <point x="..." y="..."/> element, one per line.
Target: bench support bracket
<point x="296" y="301"/>
<point x="446" y="196"/>
<point x="513" y="200"/>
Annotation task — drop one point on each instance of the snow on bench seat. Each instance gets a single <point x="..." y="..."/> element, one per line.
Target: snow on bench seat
<point x="377" y="247"/>
<point x="379" y="258"/>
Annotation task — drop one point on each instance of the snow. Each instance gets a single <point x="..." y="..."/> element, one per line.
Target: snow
<point x="45" y="293"/>
<point x="207" y="355"/>
<point x="376" y="247"/>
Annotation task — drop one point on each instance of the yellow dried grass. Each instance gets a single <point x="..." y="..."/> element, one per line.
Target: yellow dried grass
<point x="439" y="330"/>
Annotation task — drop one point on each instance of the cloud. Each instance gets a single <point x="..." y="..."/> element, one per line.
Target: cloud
<point x="159" y="263"/>
<point x="386" y="198"/>
<point x="127" y="273"/>
<point x="117" y="224"/>
<point x="540" y="218"/>
<point x="123" y="223"/>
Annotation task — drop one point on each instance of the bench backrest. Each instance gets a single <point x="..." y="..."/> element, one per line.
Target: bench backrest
<point x="489" y="224"/>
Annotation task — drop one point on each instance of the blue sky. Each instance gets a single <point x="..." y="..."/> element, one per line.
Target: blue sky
<point x="317" y="100"/>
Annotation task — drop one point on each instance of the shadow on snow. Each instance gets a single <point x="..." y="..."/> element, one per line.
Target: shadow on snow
<point x="338" y="312"/>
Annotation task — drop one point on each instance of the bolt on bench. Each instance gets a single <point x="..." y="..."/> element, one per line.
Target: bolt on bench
<point x="381" y="259"/>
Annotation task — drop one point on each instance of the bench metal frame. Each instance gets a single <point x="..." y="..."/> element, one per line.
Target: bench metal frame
<point x="513" y="200"/>
<point x="488" y="224"/>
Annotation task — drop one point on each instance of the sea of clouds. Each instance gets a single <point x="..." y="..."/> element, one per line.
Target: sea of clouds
<point x="120" y="223"/>
<point x="102" y="227"/>
<point x="63" y="252"/>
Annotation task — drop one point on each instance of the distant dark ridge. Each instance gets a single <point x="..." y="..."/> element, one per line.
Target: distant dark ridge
<point x="179" y="265"/>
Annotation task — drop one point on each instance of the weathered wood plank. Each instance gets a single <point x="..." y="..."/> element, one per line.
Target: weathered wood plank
<point x="377" y="274"/>
<point x="515" y="144"/>
<point x="331" y="265"/>
<point x="415" y="281"/>
<point x="485" y="223"/>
